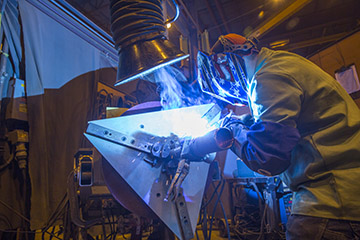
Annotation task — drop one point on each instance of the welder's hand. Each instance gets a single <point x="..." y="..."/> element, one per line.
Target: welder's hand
<point x="236" y="128"/>
<point x="245" y="119"/>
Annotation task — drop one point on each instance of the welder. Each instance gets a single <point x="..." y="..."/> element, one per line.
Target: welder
<point x="304" y="127"/>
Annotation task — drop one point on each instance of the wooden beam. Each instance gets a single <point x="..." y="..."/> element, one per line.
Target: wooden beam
<point x="294" y="34"/>
<point x="284" y="14"/>
<point x="312" y="42"/>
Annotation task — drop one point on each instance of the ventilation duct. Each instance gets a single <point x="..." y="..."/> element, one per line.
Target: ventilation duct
<point x="139" y="33"/>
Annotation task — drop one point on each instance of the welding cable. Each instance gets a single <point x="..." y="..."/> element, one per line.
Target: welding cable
<point x="103" y="229"/>
<point x="197" y="235"/>
<point x="114" y="224"/>
<point x="212" y="195"/>
<point x="14" y="211"/>
<point x="199" y="222"/>
<point x="204" y="224"/>
<point x="262" y="223"/>
<point x="263" y="209"/>
<point x="133" y="21"/>
<point x="225" y="217"/>
<point x="7" y="162"/>
<point x="55" y="215"/>
<point x="258" y="194"/>
<point x="214" y="209"/>
<point x="3" y="218"/>
<point x="52" y="233"/>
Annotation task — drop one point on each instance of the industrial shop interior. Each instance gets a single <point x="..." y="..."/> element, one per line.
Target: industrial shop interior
<point x="179" y="119"/>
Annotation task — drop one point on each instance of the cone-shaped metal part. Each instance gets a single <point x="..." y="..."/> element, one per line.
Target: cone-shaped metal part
<point x="148" y="182"/>
<point x="144" y="57"/>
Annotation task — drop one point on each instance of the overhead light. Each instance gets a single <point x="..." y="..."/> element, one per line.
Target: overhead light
<point x="261" y="14"/>
<point x="279" y="43"/>
<point x="168" y="25"/>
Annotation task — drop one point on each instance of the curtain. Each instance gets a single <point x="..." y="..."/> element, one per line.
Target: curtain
<point x="63" y="64"/>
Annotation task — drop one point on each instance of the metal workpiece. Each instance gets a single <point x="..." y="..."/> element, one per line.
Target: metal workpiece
<point x="144" y="151"/>
<point x="117" y="137"/>
<point x="183" y="216"/>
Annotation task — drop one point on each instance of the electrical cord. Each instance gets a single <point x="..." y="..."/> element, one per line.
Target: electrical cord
<point x="7" y="163"/>
<point x="258" y="194"/>
<point x="114" y="224"/>
<point x="6" y="220"/>
<point x="214" y="209"/>
<point x="177" y="13"/>
<point x="204" y="225"/>
<point x="246" y="227"/>
<point x="16" y="212"/>
<point x="262" y="223"/>
<point x="51" y="234"/>
<point x="226" y="220"/>
<point x="54" y="216"/>
<point x="212" y="195"/>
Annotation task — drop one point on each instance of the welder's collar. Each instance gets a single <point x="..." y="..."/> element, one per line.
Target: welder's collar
<point x="262" y="59"/>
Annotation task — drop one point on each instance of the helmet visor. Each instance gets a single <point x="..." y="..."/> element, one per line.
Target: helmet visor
<point x="223" y="76"/>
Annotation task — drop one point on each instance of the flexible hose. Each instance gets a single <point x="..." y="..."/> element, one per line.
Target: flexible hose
<point x="136" y="20"/>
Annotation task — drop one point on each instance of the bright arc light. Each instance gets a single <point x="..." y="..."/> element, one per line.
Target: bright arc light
<point x="190" y="124"/>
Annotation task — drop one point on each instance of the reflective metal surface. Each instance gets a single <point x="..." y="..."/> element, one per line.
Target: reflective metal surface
<point x="142" y="179"/>
<point x="143" y="57"/>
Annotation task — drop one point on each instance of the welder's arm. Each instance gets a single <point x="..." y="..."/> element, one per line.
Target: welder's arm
<point x="265" y="147"/>
<point x="275" y="102"/>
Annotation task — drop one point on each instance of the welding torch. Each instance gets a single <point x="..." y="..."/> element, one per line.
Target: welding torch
<point x="197" y="149"/>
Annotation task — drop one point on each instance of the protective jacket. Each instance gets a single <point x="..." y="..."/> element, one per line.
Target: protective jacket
<point x="287" y="93"/>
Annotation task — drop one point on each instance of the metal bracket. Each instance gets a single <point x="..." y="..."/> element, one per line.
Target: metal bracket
<point x="120" y="138"/>
<point x="183" y="216"/>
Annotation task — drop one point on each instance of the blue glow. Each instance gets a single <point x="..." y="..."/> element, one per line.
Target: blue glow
<point x="146" y="72"/>
<point x="189" y="124"/>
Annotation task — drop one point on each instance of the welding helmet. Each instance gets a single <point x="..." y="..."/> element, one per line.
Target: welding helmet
<point x="223" y="74"/>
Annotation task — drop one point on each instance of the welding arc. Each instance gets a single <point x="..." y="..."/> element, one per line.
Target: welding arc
<point x="133" y="21"/>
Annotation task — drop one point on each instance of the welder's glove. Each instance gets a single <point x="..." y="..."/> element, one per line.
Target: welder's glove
<point x="247" y="120"/>
<point x="236" y="123"/>
<point x="236" y="128"/>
